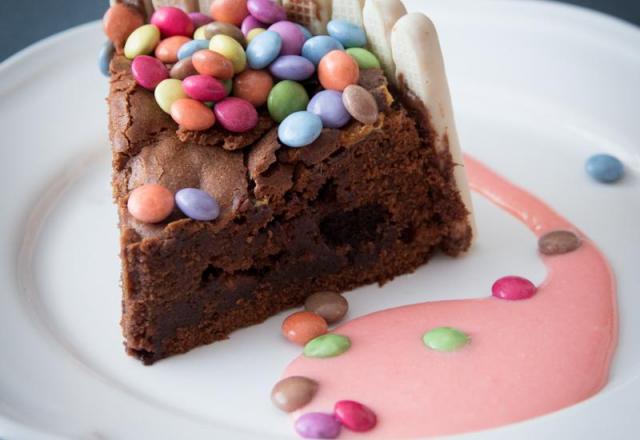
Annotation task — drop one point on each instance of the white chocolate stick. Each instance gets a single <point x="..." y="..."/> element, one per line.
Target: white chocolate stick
<point x="420" y="68"/>
<point x="185" y="5"/>
<point x="379" y="17"/>
<point x="314" y="14"/>
<point x="349" y="10"/>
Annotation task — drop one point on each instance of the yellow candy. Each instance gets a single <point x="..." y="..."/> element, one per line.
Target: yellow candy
<point x="168" y="92"/>
<point x="253" y="33"/>
<point x="231" y="50"/>
<point x="142" y="41"/>
<point x="200" y="34"/>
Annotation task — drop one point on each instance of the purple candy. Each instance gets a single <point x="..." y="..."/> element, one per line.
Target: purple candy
<point x="266" y="11"/>
<point x="204" y="88"/>
<point x="250" y="23"/>
<point x="318" y="425"/>
<point x="199" y="19"/>
<point x="197" y="204"/>
<point x="293" y="67"/>
<point x="329" y="107"/>
<point x="292" y="37"/>
<point x="513" y="288"/>
<point x="148" y="71"/>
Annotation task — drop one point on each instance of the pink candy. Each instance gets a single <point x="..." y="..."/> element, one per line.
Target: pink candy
<point x="204" y="88"/>
<point x="513" y="288"/>
<point x="267" y="11"/>
<point x="292" y="37"/>
<point x="250" y="23"/>
<point x="236" y="115"/>
<point x="172" y="21"/>
<point x="199" y="19"/>
<point x="355" y="416"/>
<point x="148" y="71"/>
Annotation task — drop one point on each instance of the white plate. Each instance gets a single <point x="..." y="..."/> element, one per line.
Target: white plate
<point x="538" y="87"/>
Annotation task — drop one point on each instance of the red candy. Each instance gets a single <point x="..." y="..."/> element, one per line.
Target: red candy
<point x="148" y="71"/>
<point x="167" y="49"/>
<point x="207" y="62"/>
<point x="192" y="115"/>
<point x="337" y="70"/>
<point x="151" y="203"/>
<point x="172" y="21"/>
<point x="204" y="88"/>
<point x="236" y="115"/>
<point x="119" y="22"/>
<point x="301" y="327"/>
<point x="355" y="416"/>
<point x="513" y="288"/>
<point x="229" y="11"/>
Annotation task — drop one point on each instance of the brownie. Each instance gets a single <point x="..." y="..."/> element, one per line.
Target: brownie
<point x="361" y="205"/>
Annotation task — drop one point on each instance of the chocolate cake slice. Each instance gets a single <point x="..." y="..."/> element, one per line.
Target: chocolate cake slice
<point x="362" y="204"/>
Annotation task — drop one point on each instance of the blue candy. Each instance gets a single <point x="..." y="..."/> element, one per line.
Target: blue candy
<point x="306" y="32"/>
<point x="317" y="47"/>
<point x="197" y="204"/>
<point x="263" y="49"/>
<point x="347" y="33"/>
<point x="605" y="168"/>
<point x="104" y="58"/>
<point x="293" y="67"/>
<point x="329" y="107"/>
<point x="300" y="129"/>
<point x="188" y="49"/>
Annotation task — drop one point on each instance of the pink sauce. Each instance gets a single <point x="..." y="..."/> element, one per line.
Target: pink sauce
<point x="526" y="358"/>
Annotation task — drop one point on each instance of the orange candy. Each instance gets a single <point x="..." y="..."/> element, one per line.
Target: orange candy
<point x="253" y="86"/>
<point x="192" y="115"/>
<point x="167" y="49"/>
<point x="301" y="327"/>
<point x="337" y="70"/>
<point x="119" y="22"/>
<point x="229" y="11"/>
<point x="151" y="203"/>
<point x="208" y="62"/>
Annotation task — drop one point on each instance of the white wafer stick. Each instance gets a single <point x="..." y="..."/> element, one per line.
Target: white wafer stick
<point x="185" y="5"/>
<point x="420" y="67"/>
<point x="349" y="10"/>
<point x="314" y="14"/>
<point x="379" y="17"/>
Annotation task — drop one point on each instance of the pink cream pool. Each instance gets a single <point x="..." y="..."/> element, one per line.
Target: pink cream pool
<point x="525" y="358"/>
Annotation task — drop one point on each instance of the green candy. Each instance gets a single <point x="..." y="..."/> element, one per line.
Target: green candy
<point x="445" y="339"/>
<point x="228" y="86"/>
<point x="326" y="346"/>
<point x="285" y="98"/>
<point x="364" y="58"/>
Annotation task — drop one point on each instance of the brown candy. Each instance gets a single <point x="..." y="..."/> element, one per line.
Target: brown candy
<point x="558" y="242"/>
<point x="254" y="86"/>
<point x="119" y="22"/>
<point x="330" y="305"/>
<point x="293" y="393"/>
<point x="183" y="69"/>
<point x="218" y="27"/>
<point x="360" y="104"/>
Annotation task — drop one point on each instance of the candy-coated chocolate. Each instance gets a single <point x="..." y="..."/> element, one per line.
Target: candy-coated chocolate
<point x="347" y="33"/>
<point x="328" y="105"/>
<point x="189" y="48"/>
<point x="183" y="69"/>
<point x="120" y="21"/>
<point x="558" y="243"/>
<point x="317" y="47"/>
<point x="306" y="32"/>
<point x="229" y="11"/>
<point x="172" y="21"/>
<point x="301" y="327"/>
<point x="355" y="416"/>
<point x="337" y="70"/>
<point x="167" y="92"/>
<point x="148" y="71"/>
<point x="201" y="32"/>
<point x="104" y="58"/>
<point x="263" y="49"/>
<point x="360" y="104"/>
<point x="267" y="11"/>
<point x="150" y="203"/>
<point x="204" y="88"/>
<point x="142" y="41"/>
<point x="364" y="58"/>
<point x="228" y="29"/>
<point x="253" y="86"/>
<point x="199" y="19"/>
<point x="605" y="168"/>
<point x="513" y="288"/>
<point x="253" y="33"/>
<point x="445" y="339"/>
<point x="293" y="393"/>
<point x="292" y="37"/>
<point x="286" y="97"/>
<point x="250" y="23"/>
<point x="293" y="67"/>
<point x="228" y="86"/>
<point x="236" y="115"/>
<point x="192" y="115"/>
<point x="326" y="346"/>
<point x="318" y="425"/>
<point x="330" y="305"/>
<point x="207" y="62"/>
<point x="167" y="49"/>
<point x="231" y="50"/>
<point x="197" y="204"/>
<point x="300" y="129"/>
